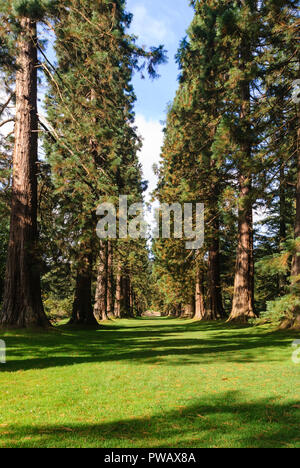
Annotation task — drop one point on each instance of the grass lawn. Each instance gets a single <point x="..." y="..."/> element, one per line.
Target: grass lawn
<point x="150" y="383"/>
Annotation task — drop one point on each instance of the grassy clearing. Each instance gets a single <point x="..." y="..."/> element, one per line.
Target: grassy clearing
<point x="150" y="383"/>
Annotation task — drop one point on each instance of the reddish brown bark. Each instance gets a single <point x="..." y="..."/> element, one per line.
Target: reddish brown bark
<point x="283" y="280"/>
<point x="118" y="298"/>
<point x="100" y="306"/>
<point x="295" y="271"/>
<point x="215" y="305"/>
<point x="22" y="304"/>
<point x="296" y="260"/>
<point x="242" y="308"/>
<point x="131" y="301"/>
<point x="251" y="266"/>
<point x="200" y="311"/>
<point x="110" y="285"/>
<point x="215" y="308"/>
<point x="243" y="298"/>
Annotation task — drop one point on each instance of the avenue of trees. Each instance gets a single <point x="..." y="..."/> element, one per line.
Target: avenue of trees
<point x="232" y="142"/>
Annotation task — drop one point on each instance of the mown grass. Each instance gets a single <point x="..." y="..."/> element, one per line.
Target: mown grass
<point x="150" y="383"/>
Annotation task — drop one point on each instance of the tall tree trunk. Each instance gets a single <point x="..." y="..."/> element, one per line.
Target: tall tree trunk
<point x="131" y="301"/>
<point x="200" y="311"/>
<point x="296" y="259"/>
<point x="243" y="298"/>
<point x="282" y="220"/>
<point x="282" y="202"/>
<point x="22" y="304"/>
<point x="100" y="307"/>
<point x="82" y="305"/>
<point x="251" y="266"/>
<point x="242" y="308"/>
<point x="215" y="306"/>
<point x="110" y="285"/>
<point x="118" y="298"/>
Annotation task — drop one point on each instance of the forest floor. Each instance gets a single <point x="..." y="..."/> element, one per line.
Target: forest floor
<point x="156" y="383"/>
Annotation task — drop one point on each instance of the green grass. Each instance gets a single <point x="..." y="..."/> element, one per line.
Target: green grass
<point x="150" y="383"/>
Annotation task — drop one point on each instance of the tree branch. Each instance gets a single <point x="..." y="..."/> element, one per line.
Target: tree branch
<point x="4" y="106"/>
<point x="6" y="122"/>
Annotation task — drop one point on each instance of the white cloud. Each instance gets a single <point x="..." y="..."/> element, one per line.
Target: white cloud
<point x="148" y="28"/>
<point x="152" y="133"/>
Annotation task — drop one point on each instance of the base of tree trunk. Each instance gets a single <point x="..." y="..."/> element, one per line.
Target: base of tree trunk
<point x="211" y="316"/>
<point x="33" y="319"/>
<point x="44" y="327"/>
<point x="84" y="323"/>
<point x="243" y="319"/>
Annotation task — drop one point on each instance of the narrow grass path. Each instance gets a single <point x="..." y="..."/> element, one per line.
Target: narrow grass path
<point x="150" y="383"/>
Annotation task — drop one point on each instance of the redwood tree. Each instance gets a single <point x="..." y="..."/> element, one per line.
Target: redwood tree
<point x="296" y="258"/>
<point x="22" y="304"/>
<point x="245" y="33"/>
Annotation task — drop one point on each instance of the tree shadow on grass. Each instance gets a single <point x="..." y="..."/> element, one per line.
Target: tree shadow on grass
<point x="190" y="343"/>
<point x="222" y="420"/>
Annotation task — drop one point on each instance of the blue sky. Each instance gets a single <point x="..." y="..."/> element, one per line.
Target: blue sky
<point x="157" y="22"/>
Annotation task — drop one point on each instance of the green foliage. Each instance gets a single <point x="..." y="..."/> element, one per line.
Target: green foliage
<point x="214" y="135"/>
<point x="34" y="9"/>
<point x="92" y="143"/>
<point x="275" y="266"/>
<point x="281" y="309"/>
<point x="58" y="309"/>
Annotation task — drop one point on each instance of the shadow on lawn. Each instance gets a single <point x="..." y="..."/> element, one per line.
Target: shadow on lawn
<point x="222" y="420"/>
<point x="145" y="343"/>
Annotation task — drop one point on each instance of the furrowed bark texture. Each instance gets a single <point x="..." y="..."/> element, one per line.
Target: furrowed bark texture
<point x="22" y="303"/>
